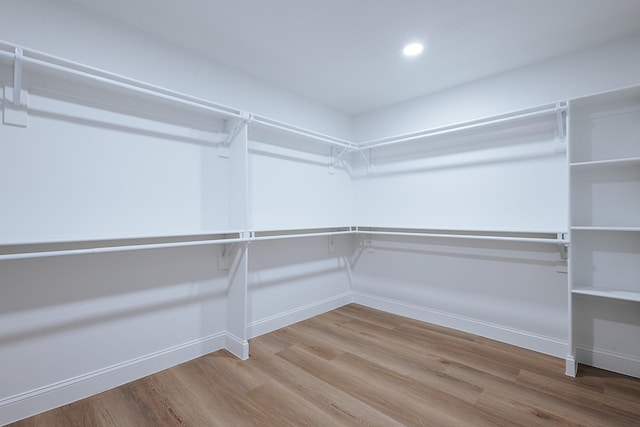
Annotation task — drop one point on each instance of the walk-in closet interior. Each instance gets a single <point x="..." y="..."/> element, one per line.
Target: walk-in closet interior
<point x="156" y="205"/>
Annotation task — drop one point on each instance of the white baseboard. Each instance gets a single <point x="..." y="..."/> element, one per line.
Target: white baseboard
<point x="621" y="363"/>
<point x="280" y="320"/>
<point x="236" y="346"/>
<point x="541" y="344"/>
<point x="33" y="402"/>
<point x="571" y="366"/>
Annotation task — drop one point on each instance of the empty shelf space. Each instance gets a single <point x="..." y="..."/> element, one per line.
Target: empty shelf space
<point x="601" y="292"/>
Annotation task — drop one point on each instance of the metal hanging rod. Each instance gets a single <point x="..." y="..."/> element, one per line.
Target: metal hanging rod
<point x="251" y="236"/>
<point x="122" y="248"/>
<point x="558" y="241"/>
<point x="304" y="132"/>
<point x="94" y="74"/>
<point x="115" y="80"/>
<point x="377" y="143"/>
<point x="27" y="56"/>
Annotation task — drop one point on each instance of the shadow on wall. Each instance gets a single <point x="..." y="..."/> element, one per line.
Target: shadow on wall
<point x="28" y="284"/>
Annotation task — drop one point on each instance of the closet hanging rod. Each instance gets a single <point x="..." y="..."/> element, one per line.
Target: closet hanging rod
<point x="303" y="132"/>
<point x="112" y="79"/>
<point x="467" y="237"/>
<point x="293" y="235"/>
<point x="377" y="143"/>
<point x="95" y="74"/>
<point x="123" y="248"/>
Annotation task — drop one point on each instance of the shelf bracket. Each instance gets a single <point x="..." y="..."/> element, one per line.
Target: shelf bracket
<point x="561" y="128"/>
<point x="15" y="101"/>
<point x="370" y="162"/>
<point x="225" y="257"/>
<point x="231" y="131"/>
<point x="336" y="156"/>
<point x="564" y="247"/>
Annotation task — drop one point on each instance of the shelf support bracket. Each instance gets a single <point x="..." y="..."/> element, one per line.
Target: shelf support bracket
<point x="564" y="247"/>
<point x="231" y="131"/>
<point x="561" y="137"/>
<point x="336" y="156"/>
<point x="15" y="101"/>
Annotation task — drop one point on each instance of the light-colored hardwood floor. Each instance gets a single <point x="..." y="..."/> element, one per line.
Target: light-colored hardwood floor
<point x="362" y="367"/>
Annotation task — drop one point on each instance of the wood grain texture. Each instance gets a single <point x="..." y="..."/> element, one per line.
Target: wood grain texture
<point x="356" y="366"/>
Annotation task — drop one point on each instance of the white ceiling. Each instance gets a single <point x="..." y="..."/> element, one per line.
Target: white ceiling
<point x="347" y="53"/>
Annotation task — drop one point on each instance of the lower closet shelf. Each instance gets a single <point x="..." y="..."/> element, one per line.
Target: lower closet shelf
<point x="618" y="294"/>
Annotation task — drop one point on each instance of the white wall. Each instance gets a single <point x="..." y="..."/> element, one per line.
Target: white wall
<point x="511" y="292"/>
<point x="514" y="182"/>
<point x="76" y="325"/>
<point x="610" y="66"/>
<point x="58" y="29"/>
<point x="293" y="279"/>
<point x="291" y="186"/>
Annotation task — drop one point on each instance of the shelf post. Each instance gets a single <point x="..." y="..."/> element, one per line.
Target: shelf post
<point x="15" y="98"/>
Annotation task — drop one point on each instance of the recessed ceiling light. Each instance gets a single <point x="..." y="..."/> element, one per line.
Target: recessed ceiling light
<point x="413" y="49"/>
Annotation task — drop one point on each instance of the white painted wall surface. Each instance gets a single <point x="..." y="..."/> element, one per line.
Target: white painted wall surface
<point x="73" y="325"/>
<point x="80" y="172"/>
<point x="292" y="188"/>
<point x="518" y="186"/>
<point x="294" y="279"/>
<point x="506" y="291"/>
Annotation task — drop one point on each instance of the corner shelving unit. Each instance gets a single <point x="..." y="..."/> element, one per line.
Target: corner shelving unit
<point x="605" y="232"/>
<point x="604" y="185"/>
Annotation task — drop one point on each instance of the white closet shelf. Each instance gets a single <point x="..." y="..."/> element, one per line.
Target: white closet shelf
<point x="40" y="63"/>
<point x="256" y="235"/>
<point x="31" y="60"/>
<point x="597" y="164"/>
<point x="515" y="236"/>
<point x="50" y="248"/>
<point x="555" y="111"/>
<point x="94" y="246"/>
<point x="597" y="228"/>
<point x="601" y="292"/>
<point x="259" y="122"/>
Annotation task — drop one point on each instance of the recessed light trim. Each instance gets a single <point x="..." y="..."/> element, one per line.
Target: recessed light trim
<point x="413" y="49"/>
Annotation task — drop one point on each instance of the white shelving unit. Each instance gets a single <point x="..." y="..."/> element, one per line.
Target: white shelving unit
<point x="605" y="232"/>
<point x="234" y="164"/>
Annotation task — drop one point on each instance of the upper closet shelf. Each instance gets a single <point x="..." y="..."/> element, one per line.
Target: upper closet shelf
<point x="26" y="61"/>
<point x="29" y="61"/>
<point x="552" y="114"/>
<point x="264" y="128"/>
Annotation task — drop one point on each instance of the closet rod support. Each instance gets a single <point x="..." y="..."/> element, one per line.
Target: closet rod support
<point x="336" y="156"/>
<point x="560" y="118"/>
<point x="17" y="77"/>
<point x="233" y="130"/>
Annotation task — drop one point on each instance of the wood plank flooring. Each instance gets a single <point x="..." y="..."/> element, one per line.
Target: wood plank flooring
<point x="356" y="366"/>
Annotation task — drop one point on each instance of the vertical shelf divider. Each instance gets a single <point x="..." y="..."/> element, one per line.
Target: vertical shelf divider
<point x="236" y="327"/>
